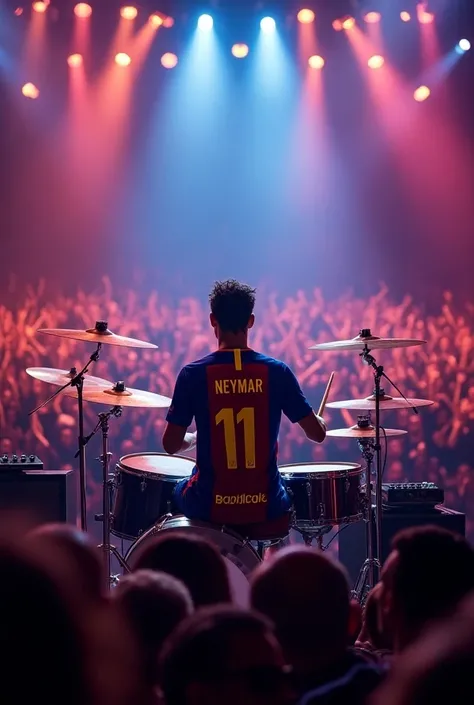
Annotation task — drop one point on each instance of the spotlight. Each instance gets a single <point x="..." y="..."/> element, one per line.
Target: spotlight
<point x="421" y="93"/>
<point x="348" y="23"/>
<point x="41" y="6"/>
<point x="122" y="59"/>
<point x="29" y="90"/>
<point x="337" y="25"/>
<point x="168" y="22"/>
<point x="169" y="61"/>
<point x="376" y="62"/>
<point x="75" y="60"/>
<point x="83" y="10"/>
<point x="128" y="12"/>
<point x="464" y="45"/>
<point x="155" y="20"/>
<point x="19" y="11"/>
<point x="316" y="62"/>
<point x="240" y="51"/>
<point x="372" y="17"/>
<point x="305" y="16"/>
<point x="405" y="16"/>
<point x="424" y="17"/>
<point x="267" y="25"/>
<point x="205" y="23"/>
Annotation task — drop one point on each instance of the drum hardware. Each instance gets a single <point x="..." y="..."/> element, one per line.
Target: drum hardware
<point x="108" y="483"/>
<point x="76" y="382"/>
<point x="364" y="343"/>
<point x="365" y="580"/>
<point x="99" y="334"/>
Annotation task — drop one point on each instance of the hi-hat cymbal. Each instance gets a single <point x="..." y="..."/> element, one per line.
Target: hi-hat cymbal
<point x="99" y="334"/>
<point x="361" y="432"/>
<point x="365" y="339"/>
<point x="386" y="403"/>
<point x="119" y="395"/>
<point x="62" y="377"/>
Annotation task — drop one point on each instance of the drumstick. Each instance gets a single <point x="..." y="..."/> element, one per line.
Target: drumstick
<point x="326" y="394"/>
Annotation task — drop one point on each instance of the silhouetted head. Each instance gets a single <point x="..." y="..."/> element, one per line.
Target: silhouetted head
<point x="232" y="307"/>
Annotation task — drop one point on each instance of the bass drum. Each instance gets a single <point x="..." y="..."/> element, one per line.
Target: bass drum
<point x="240" y="557"/>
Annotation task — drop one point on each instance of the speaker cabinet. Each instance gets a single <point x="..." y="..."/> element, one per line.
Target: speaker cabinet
<point x="352" y="539"/>
<point x="44" y="495"/>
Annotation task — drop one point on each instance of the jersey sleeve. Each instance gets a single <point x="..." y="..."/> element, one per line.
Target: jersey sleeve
<point x="294" y="403"/>
<point x="181" y="410"/>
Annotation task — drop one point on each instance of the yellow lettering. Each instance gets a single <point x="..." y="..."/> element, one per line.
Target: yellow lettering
<point x="218" y="499"/>
<point x="259" y="385"/>
<point x="226" y="386"/>
<point x="260" y="498"/>
<point x="242" y="386"/>
<point x="218" y="386"/>
<point x="233" y="384"/>
<point x="251" y="386"/>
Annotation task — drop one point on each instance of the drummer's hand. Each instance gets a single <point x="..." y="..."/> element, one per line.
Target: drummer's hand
<point x="189" y="442"/>
<point x="322" y="422"/>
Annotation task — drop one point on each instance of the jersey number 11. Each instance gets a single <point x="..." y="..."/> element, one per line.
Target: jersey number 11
<point x="246" y="416"/>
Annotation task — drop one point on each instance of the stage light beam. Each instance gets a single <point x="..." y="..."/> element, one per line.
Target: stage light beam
<point x="128" y="12"/>
<point x="376" y="62"/>
<point x="464" y="45"/>
<point x="348" y="23"/>
<point x="268" y="25"/>
<point x="205" y="23"/>
<point x="75" y="60"/>
<point x="424" y="17"/>
<point x="155" y="20"/>
<point x="169" y="60"/>
<point x="421" y="94"/>
<point x="316" y="62"/>
<point x="305" y="16"/>
<point x="29" y="90"/>
<point x="240" y="51"/>
<point x="122" y="59"/>
<point x="405" y="16"/>
<point x="40" y="6"/>
<point x="372" y="17"/>
<point x="83" y="10"/>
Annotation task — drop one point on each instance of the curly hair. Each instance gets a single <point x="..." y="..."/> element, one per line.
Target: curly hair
<point x="232" y="305"/>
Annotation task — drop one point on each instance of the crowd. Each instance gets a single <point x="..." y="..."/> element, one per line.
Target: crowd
<point x="169" y="634"/>
<point x="436" y="448"/>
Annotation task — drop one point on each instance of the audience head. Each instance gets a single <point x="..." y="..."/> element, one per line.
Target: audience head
<point x="307" y="596"/>
<point x="425" y="576"/>
<point x="437" y="668"/>
<point x="224" y="655"/>
<point x="232" y="306"/>
<point x="74" y="555"/>
<point x="155" y="603"/>
<point x="193" y="560"/>
<point x="373" y="634"/>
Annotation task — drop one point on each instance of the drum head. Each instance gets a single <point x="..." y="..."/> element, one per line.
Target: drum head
<point x="241" y="559"/>
<point x="174" y="467"/>
<point x="320" y="470"/>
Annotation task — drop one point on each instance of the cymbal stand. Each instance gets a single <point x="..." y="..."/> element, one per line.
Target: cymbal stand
<point x="77" y="380"/>
<point x="107" y="548"/>
<point x="366" y="578"/>
<point x="369" y="360"/>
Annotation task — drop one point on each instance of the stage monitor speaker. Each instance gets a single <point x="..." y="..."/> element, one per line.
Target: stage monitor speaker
<point x="44" y="496"/>
<point x="352" y="541"/>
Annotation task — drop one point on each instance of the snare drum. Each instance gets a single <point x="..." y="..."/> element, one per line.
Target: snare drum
<point x="239" y="555"/>
<point x="144" y="485"/>
<point x="323" y="494"/>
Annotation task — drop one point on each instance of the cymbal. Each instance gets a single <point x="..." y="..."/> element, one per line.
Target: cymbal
<point x="367" y="432"/>
<point x="99" y="334"/>
<point x="365" y="339"/>
<point x="119" y="395"/>
<point x="386" y="403"/>
<point x="62" y="377"/>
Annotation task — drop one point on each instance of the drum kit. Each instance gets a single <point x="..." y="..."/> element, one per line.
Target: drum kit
<point x="137" y="497"/>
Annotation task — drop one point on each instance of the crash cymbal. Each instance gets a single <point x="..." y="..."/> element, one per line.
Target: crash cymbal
<point x="62" y="377"/>
<point x="365" y="339"/>
<point x="386" y="403"/>
<point x="99" y="334"/>
<point x="367" y="432"/>
<point x="119" y="395"/>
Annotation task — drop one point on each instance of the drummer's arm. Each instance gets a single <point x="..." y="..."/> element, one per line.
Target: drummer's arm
<point x="297" y="408"/>
<point x="177" y="440"/>
<point x="314" y="427"/>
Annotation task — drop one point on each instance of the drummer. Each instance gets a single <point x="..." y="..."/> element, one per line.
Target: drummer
<point x="236" y="397"/>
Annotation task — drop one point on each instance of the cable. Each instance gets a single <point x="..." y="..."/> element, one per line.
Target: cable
<point x="386" y="450"/>
<point x="325" y="548"/>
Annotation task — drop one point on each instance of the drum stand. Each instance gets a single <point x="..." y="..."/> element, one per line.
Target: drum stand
<point x="365" y="580"/>
<point x="77" y="381"/>
<point x="106" y="547"/>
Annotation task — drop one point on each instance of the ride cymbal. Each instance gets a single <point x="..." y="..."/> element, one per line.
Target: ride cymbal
<point x="62" y="377"/>
<point x="367" y="432"/>
<point x="119" y="395"/>
<point x="386" y="403"/>
<point x="99" y="334"/>
<point x="365" y="339"/>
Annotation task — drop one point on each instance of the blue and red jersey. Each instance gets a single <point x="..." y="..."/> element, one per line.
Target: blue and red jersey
<point x="236" y="398"/>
